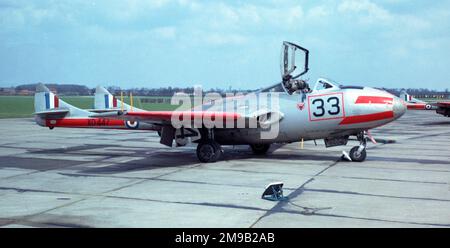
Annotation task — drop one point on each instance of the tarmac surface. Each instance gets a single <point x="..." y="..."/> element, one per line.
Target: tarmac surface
<point x="111" y="178"/>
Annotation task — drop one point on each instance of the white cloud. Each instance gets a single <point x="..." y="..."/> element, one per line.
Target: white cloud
<point x="371" y="11"/>
<point x="318" y="12"/>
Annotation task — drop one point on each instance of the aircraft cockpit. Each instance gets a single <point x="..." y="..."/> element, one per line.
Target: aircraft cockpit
<point x="294" y="64"/>
<point x="324" y="84"/>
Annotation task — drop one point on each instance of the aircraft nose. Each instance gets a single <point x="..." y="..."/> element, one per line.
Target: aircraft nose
<point x="399" y="107"/>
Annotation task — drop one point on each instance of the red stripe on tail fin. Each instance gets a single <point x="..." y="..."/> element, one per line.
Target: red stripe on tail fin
<point x="56" y="100"/>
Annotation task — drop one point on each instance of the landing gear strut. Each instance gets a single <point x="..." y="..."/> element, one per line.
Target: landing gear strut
<point x="358" y="153"/>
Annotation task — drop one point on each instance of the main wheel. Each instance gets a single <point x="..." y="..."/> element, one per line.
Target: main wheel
<point x="219" y="151"/>
<point x="208" y="152"/>
<point x="260" y="149"/>
<point x="357" y="156"/>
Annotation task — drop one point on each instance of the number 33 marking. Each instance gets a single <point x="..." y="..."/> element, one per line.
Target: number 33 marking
<point x="333" y="105"/>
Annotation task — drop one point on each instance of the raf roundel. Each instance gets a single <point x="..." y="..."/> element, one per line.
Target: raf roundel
<point x="132" y="124"/>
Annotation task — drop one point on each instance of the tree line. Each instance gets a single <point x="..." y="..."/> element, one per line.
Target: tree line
<point x="82" y="90"/>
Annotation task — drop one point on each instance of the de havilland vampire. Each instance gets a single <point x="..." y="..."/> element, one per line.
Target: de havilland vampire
<point x="286" y="112"/>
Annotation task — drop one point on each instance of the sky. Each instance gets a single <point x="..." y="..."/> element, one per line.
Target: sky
<point x="182" y="43"/>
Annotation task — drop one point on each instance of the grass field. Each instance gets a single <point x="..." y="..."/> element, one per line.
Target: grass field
<point x="23" y="106"/>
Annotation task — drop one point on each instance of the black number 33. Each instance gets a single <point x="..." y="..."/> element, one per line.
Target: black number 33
<point x="335" y="109"/>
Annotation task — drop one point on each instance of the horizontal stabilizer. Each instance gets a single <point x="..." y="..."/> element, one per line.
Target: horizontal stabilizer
<point x="102" y="110"/>
<point x="109" y="114"/>
<point x="52" y="113"/>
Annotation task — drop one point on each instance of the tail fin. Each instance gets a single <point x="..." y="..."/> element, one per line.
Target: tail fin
<point x="53" y="112"/>
<point x="48" y="105"/>
<point x="105" y="101"/>
<point x="408" y="98"/>
<point x="44" y="99"/>
<point x="405" y="96"/>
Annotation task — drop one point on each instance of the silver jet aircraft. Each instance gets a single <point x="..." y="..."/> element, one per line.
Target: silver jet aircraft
<point x="289" y="111"/>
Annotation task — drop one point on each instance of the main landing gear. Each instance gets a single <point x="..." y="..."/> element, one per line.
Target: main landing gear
<point x="358" y="153"/>
<point x="260" y="149"/>
<point x="208" y="150"/>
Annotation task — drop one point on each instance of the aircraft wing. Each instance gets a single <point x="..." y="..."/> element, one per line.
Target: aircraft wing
<point x="443" y="104"/>
<point x="166" y="116"/>
<point x="264" y="117"/>
<point x="443" y="108"/>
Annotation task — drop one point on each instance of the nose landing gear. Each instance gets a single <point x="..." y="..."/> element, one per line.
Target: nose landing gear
<point x="358" y="153"/>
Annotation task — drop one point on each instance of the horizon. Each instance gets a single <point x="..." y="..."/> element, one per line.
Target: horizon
<point x="182" y="43"/>
<point x="203" y="89"/>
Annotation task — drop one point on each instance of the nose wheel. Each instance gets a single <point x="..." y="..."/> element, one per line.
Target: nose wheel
<point x="358" y="153"/>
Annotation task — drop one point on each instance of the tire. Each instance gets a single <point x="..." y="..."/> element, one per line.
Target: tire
<point x="260" y="149"/>
<point x="357" y="157"/>
<point x="219" y="151"/>
<point x="208" y="152"/>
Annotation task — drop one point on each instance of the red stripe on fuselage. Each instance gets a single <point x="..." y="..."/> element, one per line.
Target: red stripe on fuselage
<point x="374" y="100"/>
<point x="367" y="118"/>
<point x="56" y="100"/>
<point x="84" y="122"/>
<point x="416" y="106"/>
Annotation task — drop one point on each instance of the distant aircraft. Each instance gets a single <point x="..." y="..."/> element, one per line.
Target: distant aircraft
<point x="413" y="103"/>
<point x="441" y="107"/>
<point x="286" y="112"/>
